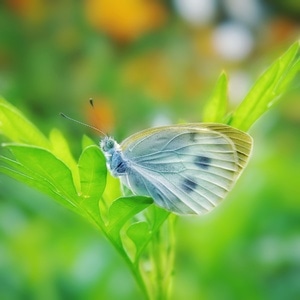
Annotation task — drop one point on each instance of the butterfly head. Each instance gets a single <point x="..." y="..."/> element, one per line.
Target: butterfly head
<point x="108" y="145"/>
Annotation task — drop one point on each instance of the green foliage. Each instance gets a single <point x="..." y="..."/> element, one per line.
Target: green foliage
<point x="265" y="92"/>
<point x="137" y="228"/>
<point x="267" y="89"/>
<point x="48" y="166"/>
<point x="216" y="107"/>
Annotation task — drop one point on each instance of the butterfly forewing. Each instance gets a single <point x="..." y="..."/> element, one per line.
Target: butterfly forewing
<point x="185" y="168"/>
<point x="242" y="141"/>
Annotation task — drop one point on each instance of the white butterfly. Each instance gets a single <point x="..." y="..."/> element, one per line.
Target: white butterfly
<point x="186" y="168"/>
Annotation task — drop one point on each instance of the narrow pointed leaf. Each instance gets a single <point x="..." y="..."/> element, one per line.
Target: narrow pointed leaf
<point x="216" y="107"/>
<point x="267" y="89"/>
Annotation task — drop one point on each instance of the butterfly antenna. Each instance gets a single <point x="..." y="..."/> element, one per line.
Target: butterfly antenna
<point x="91" y="102"/>
<point x="81" y="123"/>
<point x="94" y="111"/>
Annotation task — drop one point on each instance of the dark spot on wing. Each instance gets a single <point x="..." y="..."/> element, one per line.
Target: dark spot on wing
<point x="193" y="136"/>
<point x="188" y="185"/>
<point x="158" y="198"/>
<point x="203" y="162"/>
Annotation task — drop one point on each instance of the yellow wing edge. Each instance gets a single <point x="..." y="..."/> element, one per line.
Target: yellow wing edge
<point x="242" y="141"/>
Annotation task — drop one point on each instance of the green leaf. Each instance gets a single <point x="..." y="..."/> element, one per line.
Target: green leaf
<point x="61" y="150"/>
<point x="112" y="190"/>
<point x="216" y="107"/>
<point x="46" y="165"/>
<point x="140" y="234"/>
<point x="92" y="170"/>
<point x="291" y="74"/>
<point x="17" y="128"/>
<point x="86" y="141"/>
<point x="29" y="172"/>
<point x="35" y="182"/>
<point x="267" y="89"/>
<point x="122" y="210"/>
<point x="156" y="216"/>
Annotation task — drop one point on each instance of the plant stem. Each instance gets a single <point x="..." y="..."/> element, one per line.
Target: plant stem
<point x="162" y="255"/>
<point x="155" y="285"/>
<point x="134" y="268"/>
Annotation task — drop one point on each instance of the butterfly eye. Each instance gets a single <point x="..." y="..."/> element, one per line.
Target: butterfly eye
<point x="110" y="144"/>
<point x="107" y="144"/>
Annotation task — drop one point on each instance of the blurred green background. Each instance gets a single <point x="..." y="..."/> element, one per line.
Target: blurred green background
<point x="148" y="63"/>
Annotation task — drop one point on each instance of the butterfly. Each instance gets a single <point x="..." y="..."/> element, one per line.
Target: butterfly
<point x="184" y="168"/>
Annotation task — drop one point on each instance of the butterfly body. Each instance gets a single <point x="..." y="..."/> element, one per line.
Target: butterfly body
<point x="116" y="162"/>
<point x="185" y="168"/>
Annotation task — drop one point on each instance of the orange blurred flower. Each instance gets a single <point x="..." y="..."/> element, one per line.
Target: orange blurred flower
<point x="125" y="20"/>
<point x="282" y="30"/>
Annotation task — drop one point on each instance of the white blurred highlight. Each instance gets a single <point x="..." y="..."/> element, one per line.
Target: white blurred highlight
<point x="197" y="12"/>
<point x="246" y="11"/>
<point x="232" y="41"/>
<point x="238" y="86"/>
<point x="160" y="120"/>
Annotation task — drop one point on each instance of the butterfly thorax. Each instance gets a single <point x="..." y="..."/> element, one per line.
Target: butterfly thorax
<point x="116" y="163"/>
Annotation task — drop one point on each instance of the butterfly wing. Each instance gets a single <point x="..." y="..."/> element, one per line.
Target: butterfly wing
<point x="187" y="169"/>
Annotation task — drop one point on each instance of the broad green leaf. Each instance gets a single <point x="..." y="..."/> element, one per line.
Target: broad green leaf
<point x="17" y="128"/>
<point x="156" y="216"/>
<point x="216" y="107"/>
<point x="111" y="193"/>
<point x="86" y="141"/>
<point x="92" y="170"/>
<point x="61" y="150"/>
<point x="140" y="234"/>
<point x="21" y="174"/>
<point x="112" y="190"/>
<point x="45" y="166"/>
<point x="122" y="210"/>
<point x="267" y="89"/>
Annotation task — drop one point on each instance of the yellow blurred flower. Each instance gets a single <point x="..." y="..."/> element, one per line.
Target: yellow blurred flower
<point x="160" y="78"/>
<point x="31" y="11"/>
<point x="125" y="20"/>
